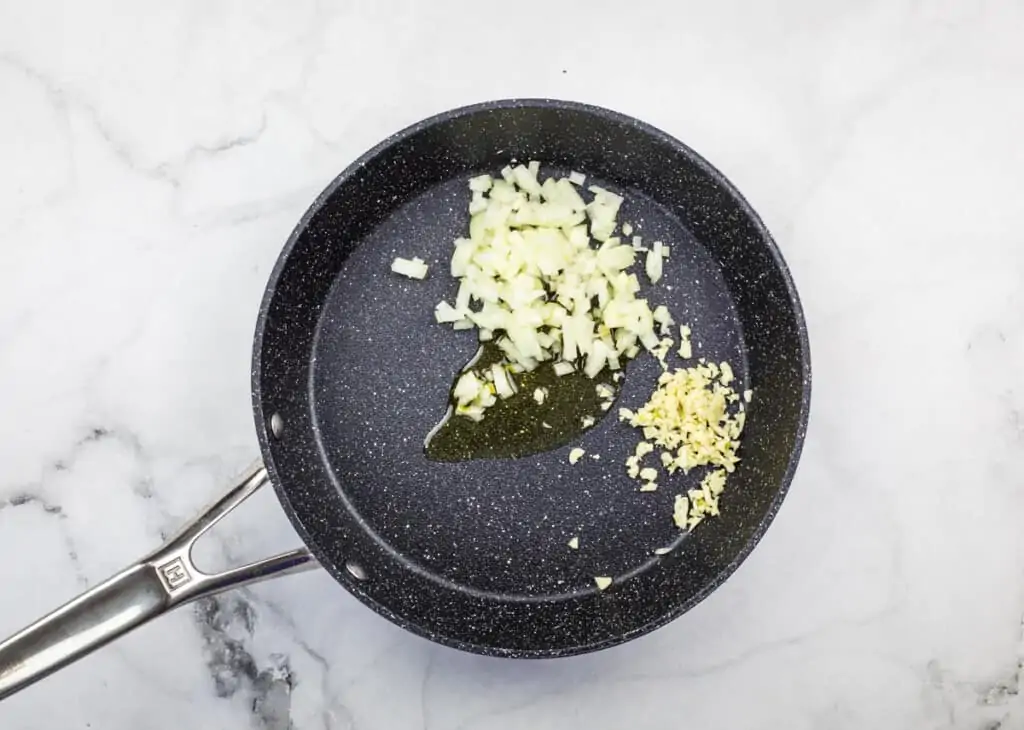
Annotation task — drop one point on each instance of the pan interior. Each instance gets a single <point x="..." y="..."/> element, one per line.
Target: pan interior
<point x="382" y="374"/>
<point x="474" y="554"/>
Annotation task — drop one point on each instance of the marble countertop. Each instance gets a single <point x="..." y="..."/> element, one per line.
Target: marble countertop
<point x="153" y="158"/>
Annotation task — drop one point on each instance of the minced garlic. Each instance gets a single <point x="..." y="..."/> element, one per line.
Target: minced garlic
<point x="680" y="511"/>
<point x="704" y="501"/>
<point x="689" y="421"/>
<point x="661" y="351"/>
<point x="685" y="348"/>
<point x="688" y="415"/>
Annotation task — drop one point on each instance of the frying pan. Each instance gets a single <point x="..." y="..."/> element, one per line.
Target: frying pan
<point x="349" y="372"/>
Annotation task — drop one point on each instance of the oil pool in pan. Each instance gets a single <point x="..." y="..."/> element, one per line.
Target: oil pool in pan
<point x="519" y="426"/>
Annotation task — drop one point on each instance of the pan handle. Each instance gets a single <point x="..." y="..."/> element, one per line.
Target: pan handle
<point x="164" y="579"/>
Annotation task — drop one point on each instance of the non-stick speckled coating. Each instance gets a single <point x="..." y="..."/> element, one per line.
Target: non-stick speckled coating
<point x="474" y="554"/>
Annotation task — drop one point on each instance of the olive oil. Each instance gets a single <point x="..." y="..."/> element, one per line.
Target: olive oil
<point x="519" y="425"/>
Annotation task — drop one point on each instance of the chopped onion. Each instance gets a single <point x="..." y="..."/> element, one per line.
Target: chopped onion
<point x="532" y="280"/>
<point x="563" y="368"/>
<point x="446" y="313"/>
<point x="414" y="268"/>
<point x="502" y="383"/>
<point x="653" y="264"/>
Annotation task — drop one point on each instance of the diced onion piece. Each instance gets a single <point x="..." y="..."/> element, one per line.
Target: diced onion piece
<point x="526" y="180"/>
<point x="540" y="395"/>
<point x="563" y="368"/>
<point x="602" y="194"/>
<point x="463" y="297"/>
<point x="446" y="313"/>
<point x="596" y="360"/>
<point x="653" y="264"/>
<point x="627" y="229"/>
<point x="574" y="543"/>
<point x="478" y="204"/>
<point x="662" y="551"/>
<point x="576" y="454"/>
<point x="577" y="178"/>
<point x="414" y="268"/>
<point x="747" y="395"/>
<point x="467" y="388"/>
<point x="602" y="582"/>
<point x="502" y="382"/>
<point x="480" y="183"/>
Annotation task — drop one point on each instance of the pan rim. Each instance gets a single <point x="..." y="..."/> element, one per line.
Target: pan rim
<point x="720" y="179"/>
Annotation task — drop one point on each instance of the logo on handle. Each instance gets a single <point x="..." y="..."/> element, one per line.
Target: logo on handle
<point x="174" y="574"/>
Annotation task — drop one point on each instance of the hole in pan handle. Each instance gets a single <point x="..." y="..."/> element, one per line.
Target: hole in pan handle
<point x="164" y="579"/>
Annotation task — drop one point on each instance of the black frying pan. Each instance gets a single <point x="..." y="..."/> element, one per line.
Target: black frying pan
<point x="350" y="372"/>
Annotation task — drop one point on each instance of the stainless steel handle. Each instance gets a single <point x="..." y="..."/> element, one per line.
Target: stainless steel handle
<point x="164" y="579"/>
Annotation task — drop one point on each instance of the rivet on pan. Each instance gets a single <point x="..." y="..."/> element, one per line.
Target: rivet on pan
<point x="277" y="425"/>
<point x="355" y="570"/>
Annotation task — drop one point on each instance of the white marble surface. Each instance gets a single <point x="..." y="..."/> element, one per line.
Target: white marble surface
<point x="155" y="155"/>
